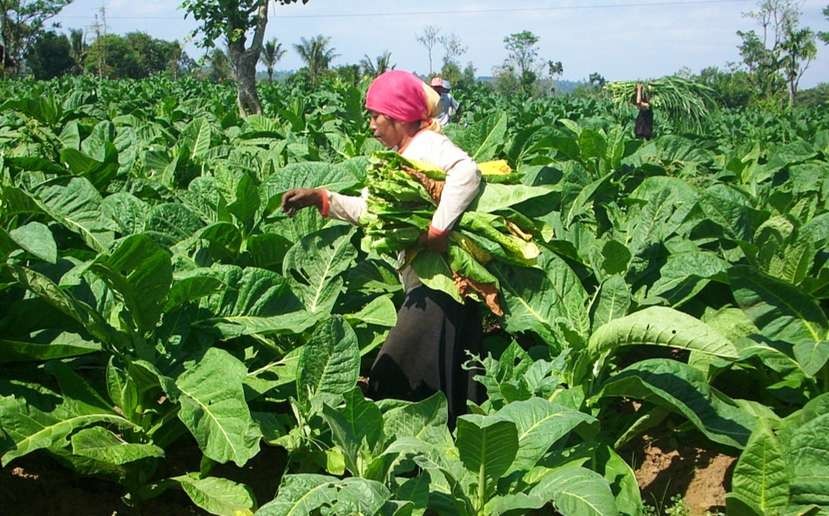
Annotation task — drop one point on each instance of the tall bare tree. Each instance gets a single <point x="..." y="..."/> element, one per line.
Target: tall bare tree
<point x="429" y="38"/>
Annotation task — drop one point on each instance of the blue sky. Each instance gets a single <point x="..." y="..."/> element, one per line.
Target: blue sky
<point x="621" y="39"/>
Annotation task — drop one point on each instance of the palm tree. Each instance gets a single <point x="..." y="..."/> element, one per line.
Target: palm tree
<point x="316" y="54"/>
<point x="381" y="65"/>
<point x="77" y="49"/>
<point x="272" y="52"/>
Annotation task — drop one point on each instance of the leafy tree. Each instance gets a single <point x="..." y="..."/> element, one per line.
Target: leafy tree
<point x="272" y="52"/>
<point x="218" y="66"/>
<point x="77" y="49"/>
<point x="112" y="56"/>
<point x="731" y="88"/>
<point x="317" y="55"/>
<point x="23" y="21"/>
<point x="154" y="55"/>
<point x="596" y="80"/>
<point x="506" y="82"/>
<point x="814" y="97"/>
<point x="49" y="56"/>
<point x="522" y="54"/>
<point x="468" y="75"/>
<point x="242" y="24"/>
<point x="780" y="55"/>
<point x="349" y="74"/>
<point x="135" y="56"/>
<point x="451" y="71"/>
<point x="429" y="38"/>
<point x="824" y="36"/>
<point x="798" y="51"/>
<point x="376" y="67"/>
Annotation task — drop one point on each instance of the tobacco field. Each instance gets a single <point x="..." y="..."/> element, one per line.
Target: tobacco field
<point x="164" y="326"/>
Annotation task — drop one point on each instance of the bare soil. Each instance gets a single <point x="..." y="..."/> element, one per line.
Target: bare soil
<point x="665" y="467"/>
<point x="36" y="485"/>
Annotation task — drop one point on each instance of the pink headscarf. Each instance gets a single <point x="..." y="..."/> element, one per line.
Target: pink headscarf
<point x="399" y="95"/>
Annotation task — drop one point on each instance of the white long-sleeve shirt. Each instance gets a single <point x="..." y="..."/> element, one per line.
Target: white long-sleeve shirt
<point x="461" y="187"/>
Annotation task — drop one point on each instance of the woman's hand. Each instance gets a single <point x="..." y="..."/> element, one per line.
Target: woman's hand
<point x="435" y="240"/>
<point x="298" y="198"/>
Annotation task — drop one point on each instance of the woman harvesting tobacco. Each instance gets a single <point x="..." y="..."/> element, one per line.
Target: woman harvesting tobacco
<point x="425" y="351"/>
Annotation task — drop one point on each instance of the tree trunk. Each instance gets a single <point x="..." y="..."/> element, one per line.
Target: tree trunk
<point x="244" y="72"/>
<point x="244" y="64"/>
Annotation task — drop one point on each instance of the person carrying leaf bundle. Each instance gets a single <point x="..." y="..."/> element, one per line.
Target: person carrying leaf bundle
<point x="425" y="351"/>
<point x="643" y="127"/>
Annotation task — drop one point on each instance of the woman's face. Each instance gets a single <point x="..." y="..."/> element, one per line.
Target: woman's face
<point x="389" y="131"/>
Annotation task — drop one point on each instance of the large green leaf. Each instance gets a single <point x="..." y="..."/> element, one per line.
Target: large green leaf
<point x="252" y="301"/>
<point x="539" y="301"/>
<point x="808" y="456"/>
<point x="414" y="419"/>
<point x="493" y="139"/>
<point x="785" y="313"/>
<point x="37" y="240"/>
<point x="173" y="220"/>
<point x="88" y="317"/>
<point x="731" y="210"/>
<point x="128" y="212"/>
<point x="496" y="197"/>
<point x="45" y="346"/>
<point x="213" y="408"/>
<point x="761" y="475"/>
<point x="487" y="446"/>
<point x="358" y="422"/>
<point x="218" y="495"/>
<point x="308" y="494"/>
<point x="141" y="271"/>
<point x="308" y="175"/>
<point x="433" y="270"/>
<point x="30" y="428"/>
<point x="480" y="139"/>
<point x="684" y="389"/>
<point x="330" y="361"/>
<point x="315" y="263"/>
<point x="612" y="302"/>
<point x="102" y="445"/>
<point x="656" y="326"/>
<point x="685" y="275"/>
<point x="76" y="204"/>
<point x="540" y="424"/>
<point x="576" y="491"/>
<point x="100" y="170"/>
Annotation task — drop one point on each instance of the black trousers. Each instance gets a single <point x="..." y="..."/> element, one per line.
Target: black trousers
<point x="425" y="351"/>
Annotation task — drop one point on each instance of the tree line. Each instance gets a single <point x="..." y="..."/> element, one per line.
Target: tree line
<point x="773" y="57"/>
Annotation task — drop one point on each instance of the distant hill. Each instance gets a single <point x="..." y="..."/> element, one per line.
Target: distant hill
<point x="278" y="75"/>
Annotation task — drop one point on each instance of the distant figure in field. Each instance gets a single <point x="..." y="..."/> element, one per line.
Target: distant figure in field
<point x="644" y="121"/>
<point x="448" y="106"/>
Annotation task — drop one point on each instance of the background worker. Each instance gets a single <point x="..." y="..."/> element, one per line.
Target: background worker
<point x="447" y="106"/>
<point x="643" y="127"/>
